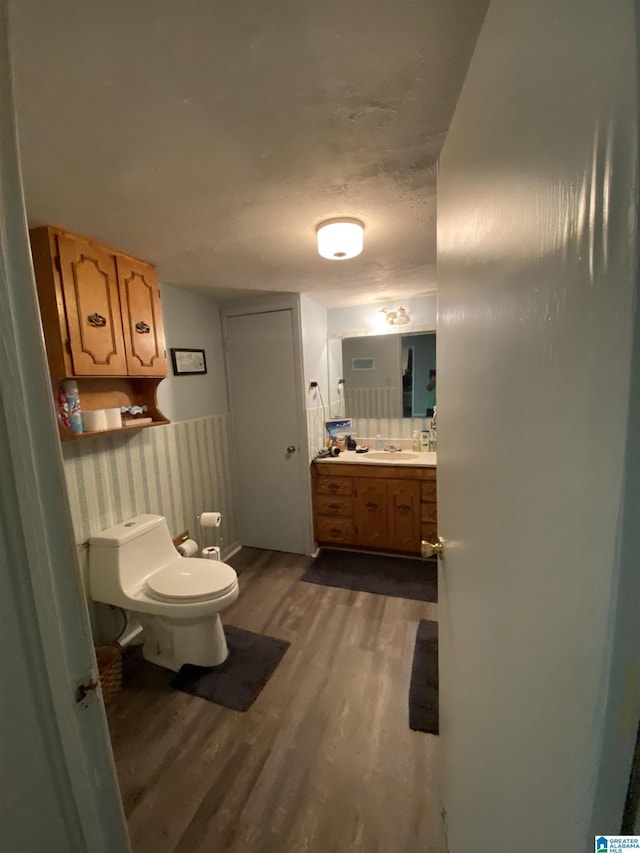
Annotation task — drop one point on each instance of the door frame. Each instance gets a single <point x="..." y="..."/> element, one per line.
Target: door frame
<point x="262" y="305"/>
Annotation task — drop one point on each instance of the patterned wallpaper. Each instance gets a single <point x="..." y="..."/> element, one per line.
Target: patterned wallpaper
<point x="178" y="470"/>
<point x="366" y="402"/>
<point x="388" y="428"/>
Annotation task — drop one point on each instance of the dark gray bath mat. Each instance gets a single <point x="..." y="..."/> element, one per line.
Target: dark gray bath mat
<point x="401" y="577"/>
<point x="237" y="682"/>
<point x="423" y="692"/>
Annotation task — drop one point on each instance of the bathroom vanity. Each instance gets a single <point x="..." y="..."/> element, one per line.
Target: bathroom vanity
<point x="387" y="502"/>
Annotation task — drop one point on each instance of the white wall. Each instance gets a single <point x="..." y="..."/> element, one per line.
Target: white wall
<point x="366" y="319"/>
<point x="313" y="318"/>
<point x="315" y="360"/>
<point x="537" y="268"/>
<point x="192" y="321"/>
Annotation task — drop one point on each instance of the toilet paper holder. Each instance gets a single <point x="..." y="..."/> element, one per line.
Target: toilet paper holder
<point x="214" y="520"/>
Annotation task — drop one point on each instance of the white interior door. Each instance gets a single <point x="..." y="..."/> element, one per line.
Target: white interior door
<point x="536" y="276"/>
<point x="59" y="791"/>
<point x="265" y="405"/>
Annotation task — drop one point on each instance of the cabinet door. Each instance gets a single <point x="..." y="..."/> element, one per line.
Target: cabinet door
<point x="92" y="308"/>
<point x="141" y="318"/>
<point x="370" y="513"/>
<point x="403" y="501"/>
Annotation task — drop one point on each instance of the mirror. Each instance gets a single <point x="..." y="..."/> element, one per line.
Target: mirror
<point x="383" y="376"/>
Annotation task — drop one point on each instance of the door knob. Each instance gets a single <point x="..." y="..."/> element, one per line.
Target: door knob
<point x="428" y="549"/>
<point x="291" y="449"/>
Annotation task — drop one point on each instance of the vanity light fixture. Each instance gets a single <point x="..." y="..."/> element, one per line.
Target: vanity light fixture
<point x="396" y="318"/>
<point x="340" y="239"/>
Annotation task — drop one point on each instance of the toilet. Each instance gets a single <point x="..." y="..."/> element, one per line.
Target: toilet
<point x="178" y="600"/>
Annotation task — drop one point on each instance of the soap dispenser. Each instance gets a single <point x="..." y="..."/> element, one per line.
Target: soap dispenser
<point x="416" y="444"/>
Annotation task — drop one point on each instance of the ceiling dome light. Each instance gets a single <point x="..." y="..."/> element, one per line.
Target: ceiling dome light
<point x="340" y="239"/>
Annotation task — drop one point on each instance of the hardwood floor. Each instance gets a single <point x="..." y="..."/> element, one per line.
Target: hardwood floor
<point x="323" y="761"/>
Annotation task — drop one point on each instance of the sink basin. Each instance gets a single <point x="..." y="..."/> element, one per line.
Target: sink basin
<point x="388" y="456"/>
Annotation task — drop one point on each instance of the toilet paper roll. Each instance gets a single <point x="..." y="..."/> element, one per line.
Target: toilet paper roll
<point x="189" y="548"/>
<point x="212" y="553"/>
<point x="114" y="418"/>
<point x="94" y="421"/>
<point x="210" y="519"/>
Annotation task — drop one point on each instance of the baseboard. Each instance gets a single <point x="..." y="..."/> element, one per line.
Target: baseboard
<point x="231" y="550"/>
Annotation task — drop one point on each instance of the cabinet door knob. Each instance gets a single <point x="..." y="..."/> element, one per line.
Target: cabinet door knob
<point x="96" y="320"/>
<point x="404" y="508"/>
<point x="142" y="328"/>
<point x="291" y="449"/>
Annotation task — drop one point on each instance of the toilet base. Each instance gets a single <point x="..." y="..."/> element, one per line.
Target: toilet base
<point x="172" y="642"/>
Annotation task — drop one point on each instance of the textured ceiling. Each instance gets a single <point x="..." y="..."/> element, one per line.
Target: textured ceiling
<point x="212" y="137"/>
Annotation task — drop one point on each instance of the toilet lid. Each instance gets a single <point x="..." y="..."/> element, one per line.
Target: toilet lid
<point x="192" y="580"/>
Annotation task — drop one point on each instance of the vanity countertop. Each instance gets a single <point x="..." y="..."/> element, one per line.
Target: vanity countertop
<point x="417" y="460"/>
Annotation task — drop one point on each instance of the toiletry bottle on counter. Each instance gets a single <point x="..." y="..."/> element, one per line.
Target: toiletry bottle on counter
<point x="379" y="445"/>
<point x="426" y="441"/>
<point x="72" y="400"/>
<point x="416" y="444"/>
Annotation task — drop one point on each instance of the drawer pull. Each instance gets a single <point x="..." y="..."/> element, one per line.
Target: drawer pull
<point x="97" y="320"/>
<point x="404" y="508"/>
<point x="334" y="507"/>
<point x="333" y="487"/>
<point x="371" y="506"/>
<point x="335" y="531"/>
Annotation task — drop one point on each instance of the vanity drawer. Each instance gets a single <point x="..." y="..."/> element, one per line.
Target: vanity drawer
<point x="429" y="532"/>
<point x="333" y="486"/>
<point x="332" y="505"/>
<point x="334" y="529"/>
<point x="429" y="513"/>
<point x="429" y="491"/>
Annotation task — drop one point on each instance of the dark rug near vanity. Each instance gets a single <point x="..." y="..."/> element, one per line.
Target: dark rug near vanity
<point x="423" y="692"/>
<point x="401" y="577"/>
<point x="237" y="682"/>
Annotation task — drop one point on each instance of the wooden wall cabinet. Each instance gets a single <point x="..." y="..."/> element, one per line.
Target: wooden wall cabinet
<point x="378" y="507"/>
<point x="102" y="321"/>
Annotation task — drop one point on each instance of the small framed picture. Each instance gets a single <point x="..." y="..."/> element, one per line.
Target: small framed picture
<point x="186" y="361"/>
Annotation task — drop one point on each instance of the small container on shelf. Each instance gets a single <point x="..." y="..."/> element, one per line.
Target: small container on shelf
<point x="134" y="416"/>
<point x="71" y="414"/>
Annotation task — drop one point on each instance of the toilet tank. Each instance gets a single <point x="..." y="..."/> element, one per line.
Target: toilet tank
<point x="121" y="557"/>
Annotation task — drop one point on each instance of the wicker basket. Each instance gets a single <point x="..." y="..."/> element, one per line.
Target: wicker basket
<point x="109" y="657"/>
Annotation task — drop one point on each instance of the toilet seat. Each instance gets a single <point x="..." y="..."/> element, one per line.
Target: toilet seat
<point x="192" y="580"/>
